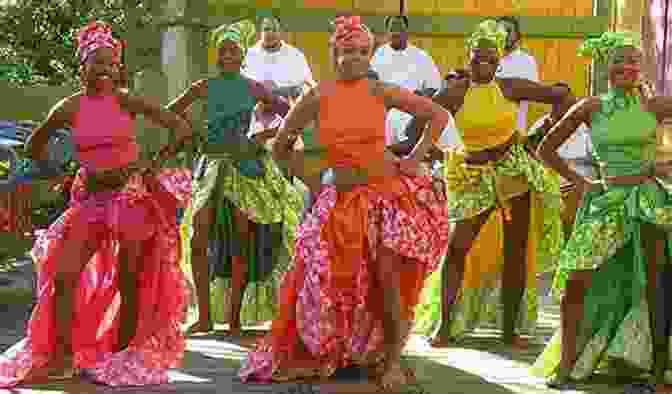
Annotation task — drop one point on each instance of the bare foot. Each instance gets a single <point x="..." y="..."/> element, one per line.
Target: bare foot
<point x="200" y="327"/>
<point x="394" y="378"/>
<point x="56" y="369"/>
<point x="517" y="342"/>
<point x="442" y="341"/>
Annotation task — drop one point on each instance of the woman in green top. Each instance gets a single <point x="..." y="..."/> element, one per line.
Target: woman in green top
<point x="606" y="275"/>
<point x="243" y="209"/>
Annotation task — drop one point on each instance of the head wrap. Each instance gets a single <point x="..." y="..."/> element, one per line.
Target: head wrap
<point x="350" y="32"/>
<point x="603" y="47"/>
<point x="490" y="31"/>
<point x="96" y="35"/>
<point x="243" y="33"/>
<point x="270" y="20"/>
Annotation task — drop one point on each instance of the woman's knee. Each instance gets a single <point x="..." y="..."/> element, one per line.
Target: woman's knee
<point x="78" y="252"/>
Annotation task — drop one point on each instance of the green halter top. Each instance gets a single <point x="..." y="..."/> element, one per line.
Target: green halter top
<point x="624" y="135"/>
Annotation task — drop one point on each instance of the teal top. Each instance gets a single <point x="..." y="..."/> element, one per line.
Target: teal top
<point x="624" y="135"/>
<point x="231" y="100"/>
<point x="230" y="106"/>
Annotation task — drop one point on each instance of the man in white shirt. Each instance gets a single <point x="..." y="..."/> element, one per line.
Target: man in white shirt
<point x="403" y="64"/>
<point x="272" y="59"/>
<point x="516" y="63"/>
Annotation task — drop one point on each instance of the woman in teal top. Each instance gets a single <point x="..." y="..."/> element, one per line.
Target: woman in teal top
<point x="243" y="212"/>
<point x="606" y="272"/>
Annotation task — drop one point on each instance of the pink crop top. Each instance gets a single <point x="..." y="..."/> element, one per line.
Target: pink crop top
<point x="104" y="134"/>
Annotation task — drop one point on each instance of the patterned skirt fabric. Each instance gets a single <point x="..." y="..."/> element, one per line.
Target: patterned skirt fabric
<point x="274" y="205"/>
<point x="473" y="190"/>
<point x="329" y="305"/>
<point x="143" y="211"/>
<point x="607" y="235"/>
<point x="16" y="211"/>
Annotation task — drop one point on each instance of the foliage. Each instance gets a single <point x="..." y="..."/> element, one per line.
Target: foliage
<point x="36" y="36"/>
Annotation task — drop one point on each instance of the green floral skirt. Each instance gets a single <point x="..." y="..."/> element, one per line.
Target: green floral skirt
<point x="267" y="200"/>
<point x="473" y="190"/>
<point x="607" y="239"/>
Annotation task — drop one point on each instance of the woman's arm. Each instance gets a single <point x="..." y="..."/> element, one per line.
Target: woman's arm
<point x="548" y="149"/>
<point x="276" y="104"/>
<point x="58" y="118"/>
<point x="305" y="111"/>
<point x="661" y="106"/>
<point x="197" y="90"/>
<point x="163" y="117"/>
<point x="420" y="107"/>
<point x="516" y="89"/>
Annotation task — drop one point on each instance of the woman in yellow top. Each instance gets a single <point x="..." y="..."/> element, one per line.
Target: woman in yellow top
<point x="493" y="180"/>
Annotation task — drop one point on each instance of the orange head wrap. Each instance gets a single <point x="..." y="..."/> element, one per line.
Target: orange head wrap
<point x="350" y="32"/>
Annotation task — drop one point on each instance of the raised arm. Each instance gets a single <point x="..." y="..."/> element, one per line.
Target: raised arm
<point x="163" y="117"/>
<point x="420" y="107"/>
<point x="661" y="106"/>
<point x="548" y="149"/>
<point x="299" y="117"/>
<point x="58" y="118"/>
<point x="450" y="97"/>
<point x="517" y="89"/>
<point x="198" y="90"/>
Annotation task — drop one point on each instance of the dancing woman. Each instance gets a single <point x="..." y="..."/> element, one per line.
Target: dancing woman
<point x="610" y="270"/>
<point x="494" y="182"/>
<point x="116" y="244"/>
<point x="242" y="204"/>
<point x="365" y="248"/>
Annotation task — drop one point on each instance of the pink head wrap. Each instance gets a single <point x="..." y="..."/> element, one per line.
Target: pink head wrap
<point x="96" y="35"/>
<point x="350" y="32"/>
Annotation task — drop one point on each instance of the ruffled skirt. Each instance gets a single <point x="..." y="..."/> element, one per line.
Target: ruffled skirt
<point x="144" y="211"/>
<point x="329" y="305"/>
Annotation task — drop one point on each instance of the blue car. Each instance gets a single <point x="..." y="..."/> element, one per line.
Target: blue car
<point x="13" y="136"/>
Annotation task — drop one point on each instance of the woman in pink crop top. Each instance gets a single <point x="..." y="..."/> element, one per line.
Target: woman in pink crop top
<point x="116" y="244"/>
<point x="373" y="235"/>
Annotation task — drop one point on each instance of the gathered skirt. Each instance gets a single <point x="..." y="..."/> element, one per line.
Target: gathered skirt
<point x="607" y="239"/>
<point x="273" y="204"/>
<point x="473" y="190"/>
<point x="143" y="211"/>
<point x="329" y="304"/>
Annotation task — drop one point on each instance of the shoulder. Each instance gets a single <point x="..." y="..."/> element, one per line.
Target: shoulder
<point x="66" y="107"/>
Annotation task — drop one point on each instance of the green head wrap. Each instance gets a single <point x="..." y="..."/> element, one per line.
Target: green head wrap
<point x="489" y="31"/>
<point x="242" y="33"/>
<point x="603" y="47"/>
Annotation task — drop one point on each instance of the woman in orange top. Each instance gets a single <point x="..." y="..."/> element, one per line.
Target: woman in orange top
<point x="366" y="247"/>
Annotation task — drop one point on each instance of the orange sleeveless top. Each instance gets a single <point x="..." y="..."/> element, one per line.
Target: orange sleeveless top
<point x="352" y="125"/>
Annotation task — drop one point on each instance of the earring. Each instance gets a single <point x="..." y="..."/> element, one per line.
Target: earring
<point x="499" y="68"/>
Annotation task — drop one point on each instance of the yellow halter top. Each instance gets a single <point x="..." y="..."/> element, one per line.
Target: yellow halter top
<point x="487" y="119"/>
